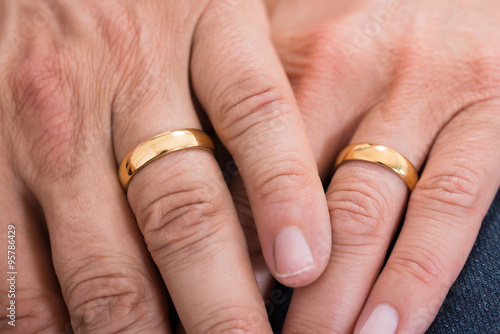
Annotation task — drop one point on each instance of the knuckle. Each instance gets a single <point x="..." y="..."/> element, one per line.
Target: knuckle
<point x="485" y="71"/>
<point x="230" y="319"/>
<point x="236" y="326"/>
<point x="335" y="45"/>
<point x="310" y="325"/>
<point x="324" y="44"/>
<point x="276" y="181"/>
<point x="107" y="298"/>
<point x="182" y="217"/>
<point x="451" y="194"/>
<point x="420" y="264"/>
<point x="358" y="211"/>
<point x="122" y="32"/>
<point x="479" y="74"/>
<point x="251" y="106"/>
<point x="39" y="88"/>
<point x="43" y="102"/>
<point x="36" y="312"/>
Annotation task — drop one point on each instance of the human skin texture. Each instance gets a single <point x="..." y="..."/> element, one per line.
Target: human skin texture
<point x="84" y="82"/>
<point x="420" y="77"/>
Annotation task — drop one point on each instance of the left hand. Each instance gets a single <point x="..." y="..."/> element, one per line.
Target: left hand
<point x="422" y="78"/>
<point x="84" y="82"/>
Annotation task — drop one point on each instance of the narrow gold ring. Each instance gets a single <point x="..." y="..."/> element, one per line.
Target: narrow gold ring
<point x="383" y="156"/>
<point x="159" y="146"/>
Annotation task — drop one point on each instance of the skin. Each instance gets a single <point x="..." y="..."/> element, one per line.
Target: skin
<point x="426" y="84"/>
<point x="425" y="81"/>
<point x="83" y="83"/>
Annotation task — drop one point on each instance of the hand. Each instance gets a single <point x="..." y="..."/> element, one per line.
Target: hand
<point x="424" y="79"/>
<point x="83" y="83"/>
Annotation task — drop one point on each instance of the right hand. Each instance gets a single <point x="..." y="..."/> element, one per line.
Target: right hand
<point x="83" y="83"/>
<point x="420" y="77"/>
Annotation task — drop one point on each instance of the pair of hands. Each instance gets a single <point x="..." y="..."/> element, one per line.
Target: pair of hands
<point x="84" y="83"/>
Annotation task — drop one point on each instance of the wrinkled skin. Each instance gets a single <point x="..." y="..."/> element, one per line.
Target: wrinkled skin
<point x="86" y="85"/>
<point x="424" y="79"/>
<point x="83" y="83"/>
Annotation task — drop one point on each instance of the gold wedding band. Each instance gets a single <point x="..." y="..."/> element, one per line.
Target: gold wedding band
<point x="159" y="146"/>
<point x="383" y="156"/>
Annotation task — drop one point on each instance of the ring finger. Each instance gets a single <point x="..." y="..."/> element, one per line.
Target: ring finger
<point x="444" y="214"/>
<point x="181" y="201"/>
<point x="366" y="203"/>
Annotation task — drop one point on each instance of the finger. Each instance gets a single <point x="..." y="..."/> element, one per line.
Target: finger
<point x="181" y="201"/>
<point x="241" y="84"/>
<point x="31" y="297"/>
<point x="192" y="231"/>
<point x="366" y="204"/>
<point x="107" y="279"/>
<point x="445" y="212"/>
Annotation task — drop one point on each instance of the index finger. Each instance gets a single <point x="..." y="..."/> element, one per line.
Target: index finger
<point x="239" y="80"/>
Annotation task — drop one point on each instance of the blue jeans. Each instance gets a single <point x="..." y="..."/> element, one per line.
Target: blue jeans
<point x="473" y="303"/>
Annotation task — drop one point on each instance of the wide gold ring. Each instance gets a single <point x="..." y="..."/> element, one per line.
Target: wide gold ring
<point x="383" y="156"/>
<point x="157" y="147"/>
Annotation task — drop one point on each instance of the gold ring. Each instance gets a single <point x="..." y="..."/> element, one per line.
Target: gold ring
<point x="383" y="156"/>
<point x="159" y="146"/>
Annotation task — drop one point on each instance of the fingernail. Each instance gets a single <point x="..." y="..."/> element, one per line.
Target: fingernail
<point x="292" y="254"/>
<point x="383" y="320"/>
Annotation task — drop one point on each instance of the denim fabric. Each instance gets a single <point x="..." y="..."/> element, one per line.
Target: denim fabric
<point x="472" y="305"/>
